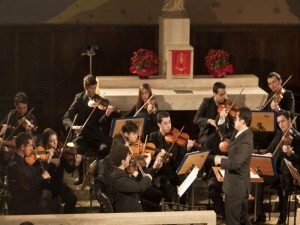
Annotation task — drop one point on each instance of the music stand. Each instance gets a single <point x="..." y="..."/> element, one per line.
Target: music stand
<point x="117" y="123"/>
<point x="191" y="163"/>
<point x="264" y="120"/>
<point x="263" y="165"/>
<point x="296" y="177"/>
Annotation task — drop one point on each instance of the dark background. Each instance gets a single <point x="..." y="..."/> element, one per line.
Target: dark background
<point x="45" y="60"/>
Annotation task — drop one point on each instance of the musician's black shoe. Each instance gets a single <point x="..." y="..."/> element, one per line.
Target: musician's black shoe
<point x="78" y="181"/>
<point x="280" y="222"/>
<point x="261" y="219"/>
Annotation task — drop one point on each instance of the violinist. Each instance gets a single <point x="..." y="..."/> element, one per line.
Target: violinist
<point x="284" y="99"/>
<point x="208" y="111"/>
<point x="24" y="181"/>
<point x="56" y="169"/>
<point x="91" y="135"/>
<point x="145" y="107"/>
<point x="166" y="179"/>
<point x="16" y="116"/>
<point x="288" y="147"/>
<point x="125" y="191"/>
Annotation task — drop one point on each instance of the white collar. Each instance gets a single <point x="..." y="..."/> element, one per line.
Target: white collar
<point x="241" y="131"/>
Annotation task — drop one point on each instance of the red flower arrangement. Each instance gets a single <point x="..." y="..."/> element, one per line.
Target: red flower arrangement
<point x="144" y="62"/>
<point x="217" y="63"/>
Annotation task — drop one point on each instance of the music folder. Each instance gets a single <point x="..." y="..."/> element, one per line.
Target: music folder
<point x="191" y="163"/>
<point x="117" y="123"/>
<point x="293" y="171"/>
<point x="263" y="165"/>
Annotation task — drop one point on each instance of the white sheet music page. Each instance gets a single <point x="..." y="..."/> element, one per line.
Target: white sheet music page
<point x="187" y="182"/>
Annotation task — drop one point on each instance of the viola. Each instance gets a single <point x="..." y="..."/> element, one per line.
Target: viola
<point x="133" y="165"/>
<point x="69" y="153"/>
<point x="223" y="146"/>
<point x="229" y="107"/>
<point x="180" y="138"/>
<point x="101" y="103"/>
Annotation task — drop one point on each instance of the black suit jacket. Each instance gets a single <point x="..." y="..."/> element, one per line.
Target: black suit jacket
<point x="207" y="110"/>
<point x="287" y="103"/>
<point x="125" y="191"/>
<point x="237" y="167"/>
<point x="93" y="126"/>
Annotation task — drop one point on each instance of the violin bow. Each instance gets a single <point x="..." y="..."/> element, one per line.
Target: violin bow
<point x="67" y="138"/>
<point x="136" y="161"/>
<point x="8" y="119"/>
<point x="34" y="145"/>
<point x="275" y="93"/>
<point x="143" y="106"/>
<point x="234" y="101"/>
<point x="285" y="133"/>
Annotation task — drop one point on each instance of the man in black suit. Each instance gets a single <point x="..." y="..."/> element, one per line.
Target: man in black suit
<point x="91" y="135"/>
<point x="290" y="150"/>
<point x="237" y="183"/>
<point x="208" y="111"/>
<point x="125" y="191"/>
<point x="287" y="102"/>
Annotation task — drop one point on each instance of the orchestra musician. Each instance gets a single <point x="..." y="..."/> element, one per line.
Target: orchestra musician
<point x="91" y="135"/>
<point x="285" y="98"/>
<point x="166" y="179"/>
<point x="24" y="180"/>
<point x="208" y="111"/>
<point x="237" y="183"/>
<point x="290" y="150"/>
<point x="125" y="191"/>
<point x="149" y="111"/>
<point x="216" y="145"/>
<point x="57" y="166"/>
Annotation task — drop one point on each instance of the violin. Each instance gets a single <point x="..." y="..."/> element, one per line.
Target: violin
<point x="153" y="103"/>
<point x="223" y="146"/>
<point x="139" y="148"/>
<point x="38" y="153"/>
<point x="278" y="96"/>
<point x="133" y="165"/>
<point x="180" y="138"/>
<point x="101" y="103"/>
<point x="26" y="123"/>
<point x="69" y="153"/>
<point x="229" y="107"/>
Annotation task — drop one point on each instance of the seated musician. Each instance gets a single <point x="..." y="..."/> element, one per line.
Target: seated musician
<point x="57" y="166"/>
<point x="288" y="149"/>
<point x="166" y="179"/>
<point x="151" y="197"/>
<point x="24" y="181"/>
<point x="208" y="111"/>
<point x="125" y="191"/>
<point x="14" y="120"/>
<point x="149" y="111"/>
<point x="284" y="100"/>
<point x="91" y="135"/>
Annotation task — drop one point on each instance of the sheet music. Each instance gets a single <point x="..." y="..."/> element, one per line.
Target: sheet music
<point x="252" y="175"/>
<point x="188" y="181"/>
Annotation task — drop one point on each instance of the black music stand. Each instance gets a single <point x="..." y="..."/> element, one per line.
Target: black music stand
<point x="117" y="123"/>
<point x="296" y="177"/>
<point x="191" y="163"/>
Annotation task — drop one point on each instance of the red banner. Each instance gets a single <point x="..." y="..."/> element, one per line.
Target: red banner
<point x="181" y="62"/>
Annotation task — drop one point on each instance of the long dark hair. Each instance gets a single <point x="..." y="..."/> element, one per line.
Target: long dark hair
<point x="45" y="136"/>
<point x="140" y="101"/>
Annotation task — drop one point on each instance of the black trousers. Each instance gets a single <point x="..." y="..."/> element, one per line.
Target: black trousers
<point x="67" y="196"/>
<point x="236" y="210"/>
<point x="215" y="194"/>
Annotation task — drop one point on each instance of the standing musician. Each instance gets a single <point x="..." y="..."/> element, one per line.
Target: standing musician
<point x="24" y="180"/>
<point x="145" y="107"/>
<point x="56" y="168"/>
<point x="217" y="144"/>
<point x="288" y="147"/>
<point x="125" y="191"/>
<point x="237" y="183"/>
<point x="91" y="135"/>
<point x="208" y="111"/>
<point x="166" y="179"/>
<point x="284" y="99"/>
